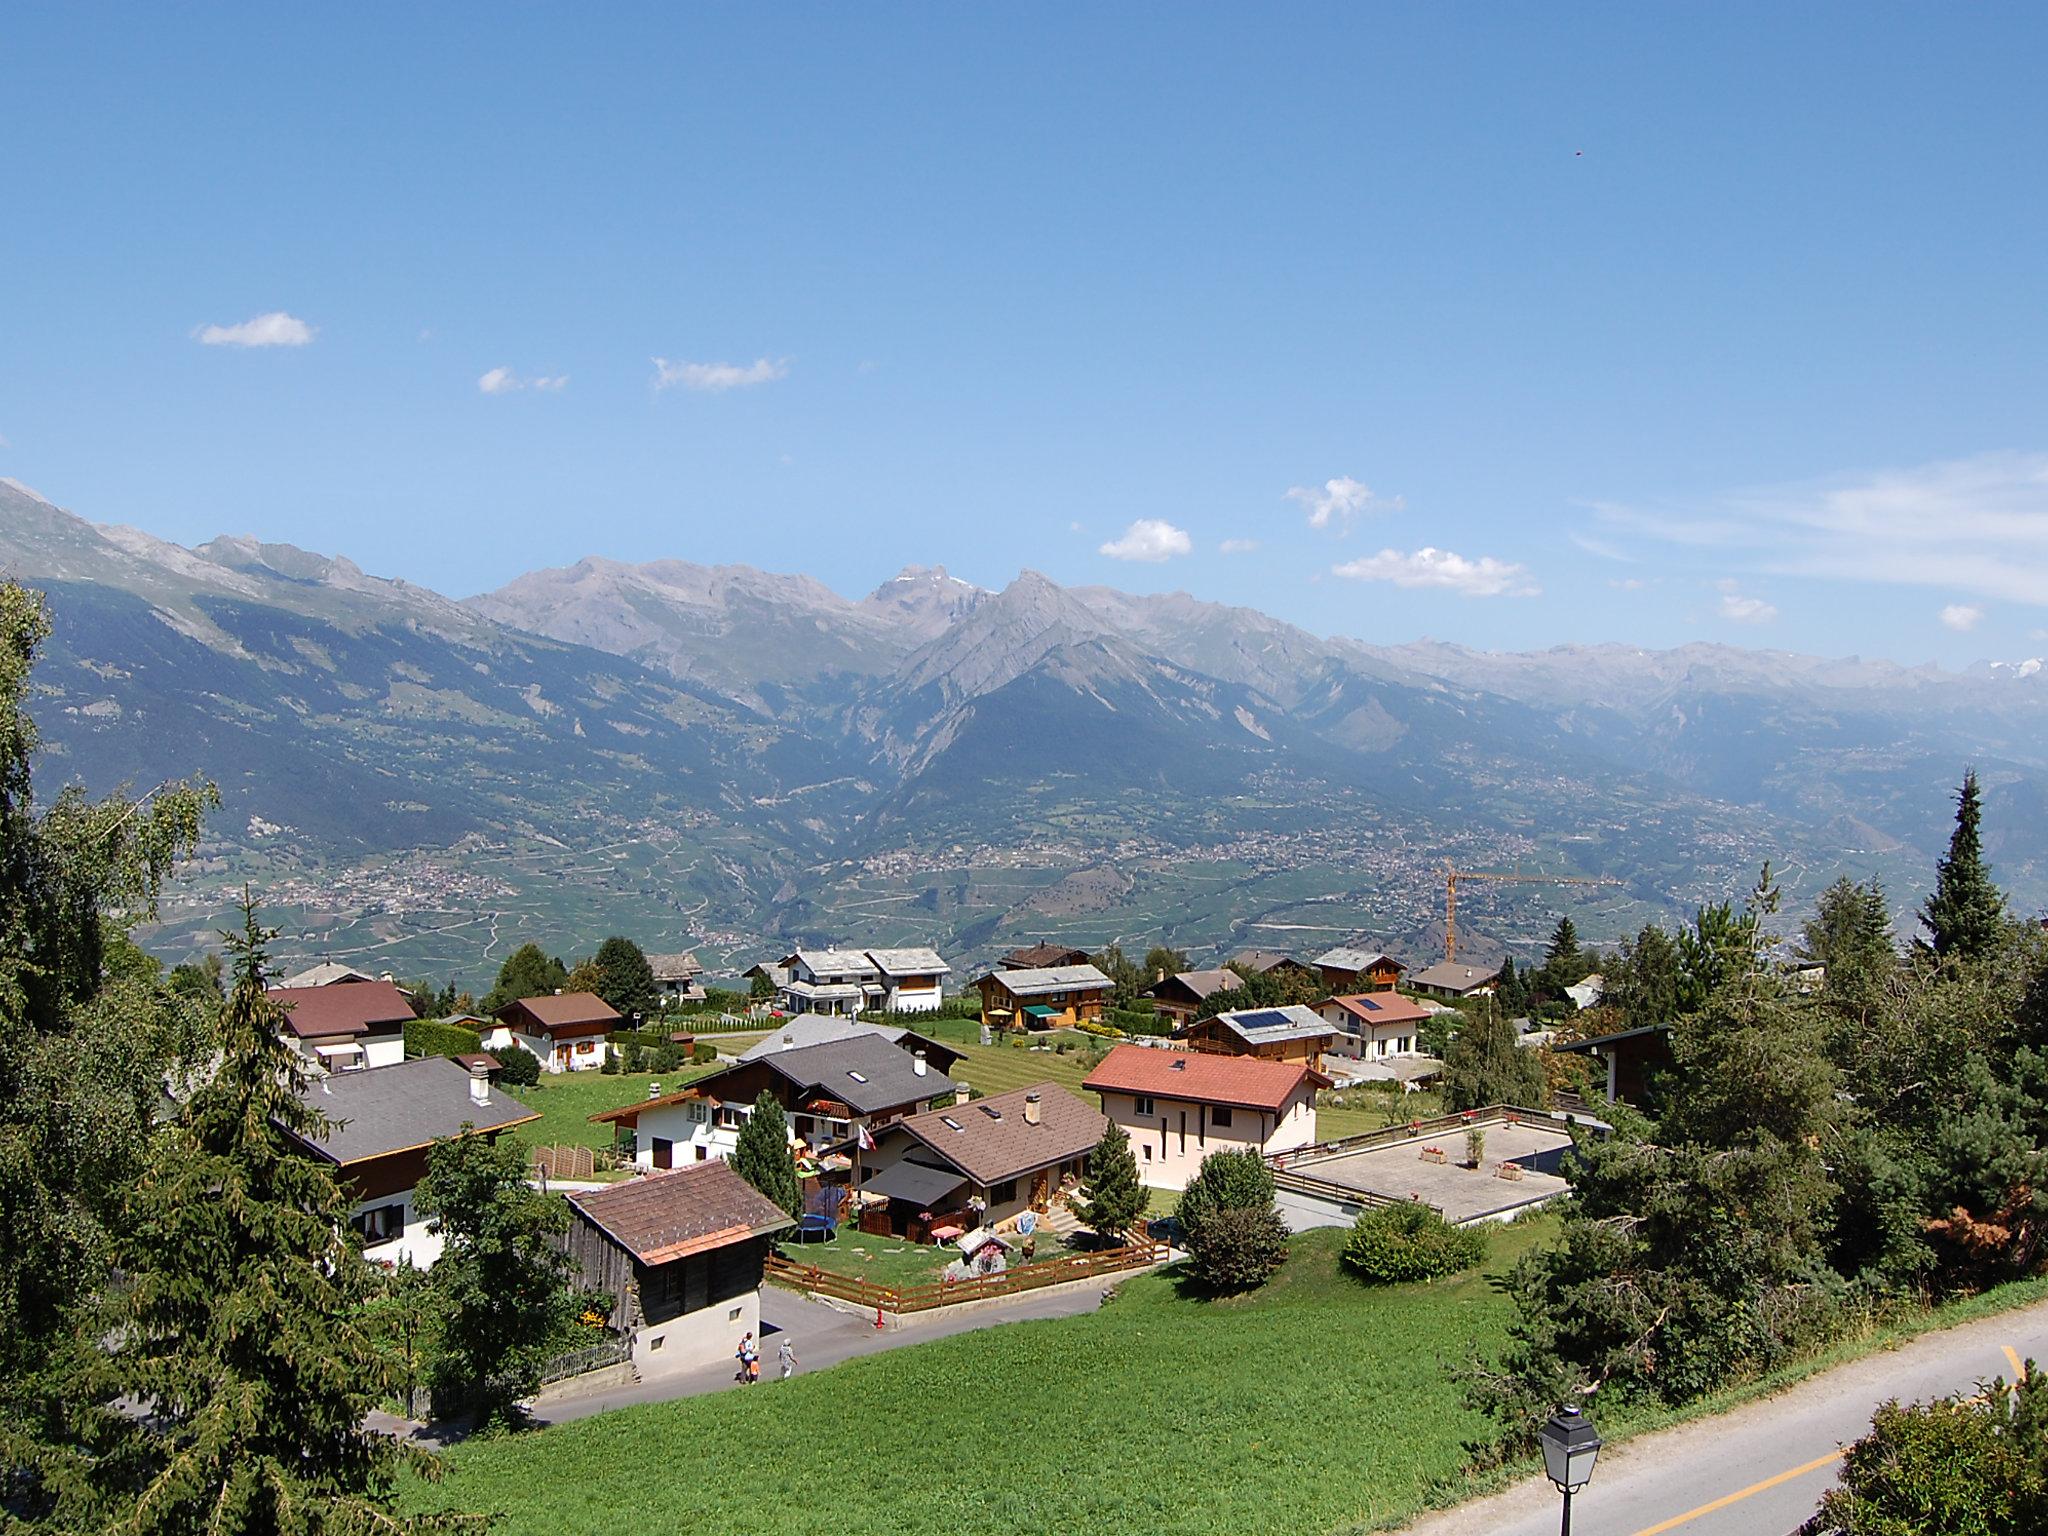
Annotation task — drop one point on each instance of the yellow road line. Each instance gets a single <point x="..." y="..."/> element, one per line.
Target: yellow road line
<point x="2019" y="1370"/>
<point x="1740" y="1494"/>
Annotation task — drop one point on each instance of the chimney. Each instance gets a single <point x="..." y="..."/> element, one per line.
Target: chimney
<point x="558" y="991"/>
<point x="387" y="976"/>
<point x="917" y="1063"/>
<point x="1159" y="975"/>
<point x="789" y="1042"/>
<point x="1031" y="1110"/>
<point x="479" y="1083"/>
<point x="654" y="1090"/>
<point x="961" y="1096"/>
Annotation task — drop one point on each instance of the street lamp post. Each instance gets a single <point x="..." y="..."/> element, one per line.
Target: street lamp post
<point x="1570" y="1445"/>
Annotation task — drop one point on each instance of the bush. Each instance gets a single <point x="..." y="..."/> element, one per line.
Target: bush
<point x="1409" y="1241"/>
<point x="430" y="1037"/>
<point x="665" y="1057"/>
<point x="519" y="1067"/>
<point x="1238" y="1249"/>
<point x="703" y="1051"/>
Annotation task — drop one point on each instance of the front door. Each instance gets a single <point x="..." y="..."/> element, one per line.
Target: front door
<point x="1041" y="1188"/>
<point x="664" y="1152"/>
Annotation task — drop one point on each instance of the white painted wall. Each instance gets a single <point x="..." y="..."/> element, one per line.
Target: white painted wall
<point x="708" y="1335"/>
<point x="415" y="1245"/>
<point x="1168" y="1158"/>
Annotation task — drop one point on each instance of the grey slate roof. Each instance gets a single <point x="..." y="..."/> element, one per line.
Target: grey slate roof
<point x="887" y="1077"/>
<point x="1055" y="978"/>
<point x="915" y="1183"/>
<point x="409" y="1104"/>
<point x="1449" y="976"/>
<point x="1201" y="983"/>
<point x="1347" y="958"/>
<point x="1266" y="1026"/>
<point x="908" y="962"/>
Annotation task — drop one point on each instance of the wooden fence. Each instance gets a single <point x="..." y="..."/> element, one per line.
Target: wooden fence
<point x="948" y="1293"/>
<point x="1408" y="1130"/>
<point x="567" y="1162"/>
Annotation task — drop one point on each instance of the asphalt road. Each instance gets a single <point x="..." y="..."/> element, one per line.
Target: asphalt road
<point x="1760" y="1470"/>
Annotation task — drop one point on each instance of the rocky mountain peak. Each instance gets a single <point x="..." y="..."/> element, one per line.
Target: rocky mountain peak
<point x="923" y="600"/>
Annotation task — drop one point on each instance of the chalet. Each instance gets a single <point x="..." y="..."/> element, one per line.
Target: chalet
<point x="676" y="978"/>
<point x="1348" y="970"/>
<point x="1292" y="1033"/>
<point x="1180" y="997"/>
<point x="566" y="1030"/>
<point x="1179" y="1106"/>
<point x="983" y="1163"/>
<point x="1042" y="956"/>
<point x="817" y="1029"/>
<point x="681" y="1255"/>
<point x="847" y="982"/>
<point x="1046" y="998"/>
<point x="1451" y="980"/>
<point x="829" y="1091"/>
<point x="381" y="1123"/>
<point x="1632" y="1058"/>
<point x="1269" y="962"/>
<point x="329" y="973"/>
<point x="1372" y="1025"/>
<point x="346" y="1028"/>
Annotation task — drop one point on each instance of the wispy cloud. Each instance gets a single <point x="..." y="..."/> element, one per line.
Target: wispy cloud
<point x="1601" y="548"/>
<point x="503" y="381"/>
<point x="276" y="329"/>
<point x="717" y="378"/>
<point x="1627" y="583"/>
<point x="1340" y="502"/>
<point x="1150" y="539"/>
<point x="1439" y="568"/>
<point x="1978" y="524"/>
<point x="1739" y="608"/>
<point x="1237" y="546"/>
<point x="1961" y="617"/>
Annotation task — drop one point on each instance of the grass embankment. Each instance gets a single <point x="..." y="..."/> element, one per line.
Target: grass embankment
<point x="1315" y="1405"/>
<point x="567" y="1100"/>
<point x="896" y="1261"/>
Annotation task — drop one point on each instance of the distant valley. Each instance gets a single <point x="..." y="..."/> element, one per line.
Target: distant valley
<point x="728" y="759"/>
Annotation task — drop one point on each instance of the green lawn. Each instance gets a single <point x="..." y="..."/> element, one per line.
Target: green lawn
<point x="998" y="1068"/>
<point x="1314" y="1406"/>
<point x="896" y="1261"/>
<point x="567" y="1100"/>
<point x="1364" y="1109"/>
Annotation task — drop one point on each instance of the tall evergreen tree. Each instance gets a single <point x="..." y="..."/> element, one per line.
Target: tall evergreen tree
<point x="1485" y="1064"/>
<point x="761" y="1154"/>
<point x="87" y="1031"/>
<point x="1646" y="982"/>
<point x="501" y="1285"/>
<point x="1850" y="937"/>
<point x="1113" y="1200"/>
<point x="1562" y="959"/>
<point x="1964" y="915"/>
<point x="242" y="1331"/>
<point x="624" y="978"/>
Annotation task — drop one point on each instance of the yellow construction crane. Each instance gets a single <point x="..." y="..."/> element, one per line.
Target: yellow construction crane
<point x="1453" y="875"/>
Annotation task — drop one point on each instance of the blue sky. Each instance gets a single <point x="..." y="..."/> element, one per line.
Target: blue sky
<point x="1511" y="325"/>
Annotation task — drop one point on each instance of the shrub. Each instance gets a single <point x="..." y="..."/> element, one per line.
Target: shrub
<point x="703" y="1051"/>
<point x="430" y="1037"/>
<point x="665" y="1057"/>
<point x="633" y="1055"/>
<point x="1238" y="1249"/>
<point x="1409" y="1241"/>
<point x="610" y="1065"/>
<point x="519" y="1067"/>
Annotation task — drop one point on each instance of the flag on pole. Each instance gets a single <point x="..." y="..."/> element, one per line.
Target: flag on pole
<point x="862" y="1139"/>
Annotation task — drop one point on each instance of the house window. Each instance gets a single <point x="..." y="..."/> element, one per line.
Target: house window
<point x="1144" y="1106"/>
<point x="1146" y="1148"/>
<point x="1220" y="1116"/>
<point x="1405" y="1043"/>
<point x="1003" y="1192"/>
<point x="380" y="1223"/>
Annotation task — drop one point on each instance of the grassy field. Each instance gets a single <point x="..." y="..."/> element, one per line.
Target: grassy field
<point x="895" y="1260"/>
<point x="567" y="1100"/>
<point x="1315" y="1406"/>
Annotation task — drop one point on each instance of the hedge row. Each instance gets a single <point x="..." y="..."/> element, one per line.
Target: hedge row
<point x="430" y="1037"/>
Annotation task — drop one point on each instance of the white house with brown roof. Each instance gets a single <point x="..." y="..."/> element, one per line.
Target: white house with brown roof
<point x="345" y="1027"/>
<point x="1375" y="1025"/>
<point x="565" y="1030"/>
<point x="852" y="981"/>
<point x="1451" y="980"/>
<point x="1179" y="1106"/>
<point x="985" y="1162"/>
<point x="676" y="977"/>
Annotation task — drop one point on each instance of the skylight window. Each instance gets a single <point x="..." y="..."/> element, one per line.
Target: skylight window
<point x="950" y="1123"/>
<point x="993" y="1114"/>
<point x="858" y="1077"/>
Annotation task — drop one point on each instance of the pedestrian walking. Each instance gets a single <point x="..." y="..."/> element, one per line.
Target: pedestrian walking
<point x="749" y="1358"/>
<point x="788" y="1357"/>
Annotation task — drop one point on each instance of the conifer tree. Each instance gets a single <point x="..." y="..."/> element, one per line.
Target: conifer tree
<point x="1485" y="1064"/>
<point x="1563" y="954"/>
<point x="761" y="1155"/>
<point x="1964" y="915"/>
<point x="1113" y="1200"/>
<point x="242" y="1332"/>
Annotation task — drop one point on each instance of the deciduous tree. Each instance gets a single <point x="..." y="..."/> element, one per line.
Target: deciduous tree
<point x="624" y="978"/>
<point x="529" y="971"/>
<point x="1486" y="1064"/>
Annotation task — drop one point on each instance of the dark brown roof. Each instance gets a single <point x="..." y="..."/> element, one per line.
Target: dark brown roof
<point x="1260" y="961"/>
<point x="1200" y="1078"/>
<point x="1041" y="955"/>
<point x="990" y="1140"/>
<point x="673" y="1215"/>
<point x="1196" y="985"/>
<point x="562" y="1013"/>
<point x="360" y="1008"/>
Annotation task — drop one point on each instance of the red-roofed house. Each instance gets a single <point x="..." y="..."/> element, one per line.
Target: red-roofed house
<point x="1179" y="1106"/>
<point x="566" y="1030"/>
<point x="681" y="1255"/>
<point x="1375" y="1024"/>
<point x="346" y="1028"/>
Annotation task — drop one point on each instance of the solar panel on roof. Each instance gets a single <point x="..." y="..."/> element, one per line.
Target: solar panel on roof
<point x="1265" y="1018"/>
<point x="1370" y="1005"/>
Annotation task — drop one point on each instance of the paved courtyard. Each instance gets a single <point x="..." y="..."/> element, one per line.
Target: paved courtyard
<point x="1399" y="1171"/>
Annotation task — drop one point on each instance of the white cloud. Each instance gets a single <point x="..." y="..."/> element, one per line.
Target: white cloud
<point x="1600" y="548"/>
<point x="503" y="381"/>
<point x="1737" y="608"/>
<point x="1341" y="502"/>
<point x="1237" y="546"/>
<point x="1627" y="583"/>
<point x="1962" y="617"/>
<point x="716" y="378"/>
<point x="1484" y="577"/>
<point x="552" y="385"/>
<point x="1979" y="525"/>
<point x="1151" y="539"/>
<point x="276" y="329"/>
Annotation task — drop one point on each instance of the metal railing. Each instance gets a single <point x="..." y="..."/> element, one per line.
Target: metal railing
<point x="903" y="1299"/>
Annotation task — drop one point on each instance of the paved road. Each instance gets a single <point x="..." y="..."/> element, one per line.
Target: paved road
<point x="1761" y="1470"/>
<point x="822" y="1336"/>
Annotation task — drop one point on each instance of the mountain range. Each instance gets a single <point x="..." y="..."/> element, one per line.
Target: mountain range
<point x="735" y="760"/>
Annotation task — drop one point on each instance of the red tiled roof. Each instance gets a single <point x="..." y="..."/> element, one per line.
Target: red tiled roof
<point x="1201" y="1078"/>
<point x="673" y="1215"/>
<point x="361" y="1007"/>
<point x="1378" y="1007"/>
<point x="562" y="1013"/>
